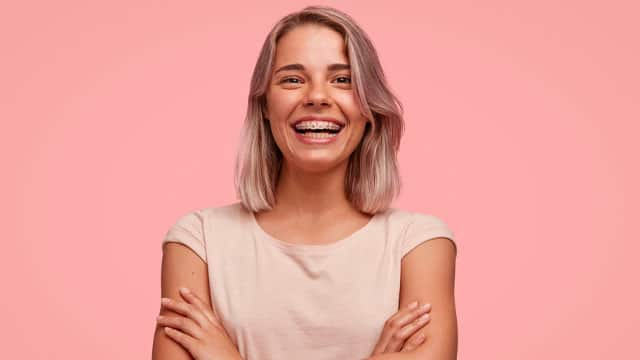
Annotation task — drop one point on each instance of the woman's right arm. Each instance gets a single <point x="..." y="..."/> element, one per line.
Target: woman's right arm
<point x="181" y="267"/>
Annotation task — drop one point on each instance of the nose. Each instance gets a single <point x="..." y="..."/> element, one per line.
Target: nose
<point x="317" y="95"/>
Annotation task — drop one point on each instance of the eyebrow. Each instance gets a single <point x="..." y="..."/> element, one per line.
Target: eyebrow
<point x="332" y="67"/>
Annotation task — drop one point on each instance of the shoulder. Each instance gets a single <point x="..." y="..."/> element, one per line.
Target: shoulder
<point x="193" y="228"/>
<point x="416" y="228"/>
<point x="408" y="218"/>
<point x="201" y="216"/>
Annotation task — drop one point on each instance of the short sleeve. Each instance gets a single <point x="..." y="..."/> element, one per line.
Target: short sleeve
<point x="189" y="230"/>
<point x="422" y="228"/>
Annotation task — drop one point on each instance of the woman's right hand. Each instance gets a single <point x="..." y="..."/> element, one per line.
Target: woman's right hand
<point x="402" y="325"/>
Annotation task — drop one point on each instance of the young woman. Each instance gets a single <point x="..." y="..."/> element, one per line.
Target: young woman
<point x="312" y="262"/>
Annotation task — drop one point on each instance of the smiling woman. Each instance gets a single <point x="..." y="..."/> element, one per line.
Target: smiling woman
<point x="316" y="100"/>
<point x="312" y="262"/>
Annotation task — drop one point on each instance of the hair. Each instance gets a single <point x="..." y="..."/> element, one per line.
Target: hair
<point x="372" y="179"/>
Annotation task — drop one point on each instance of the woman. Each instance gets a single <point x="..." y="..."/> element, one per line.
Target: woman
<point x="312" y="263"/>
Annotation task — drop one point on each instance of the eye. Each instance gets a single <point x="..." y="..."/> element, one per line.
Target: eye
<point x="289" y="78"/>
<point x="344" y="77"/>
<point x="346" y="80"/>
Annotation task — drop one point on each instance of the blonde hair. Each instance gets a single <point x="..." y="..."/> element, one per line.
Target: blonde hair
<point x="372" y="179"/>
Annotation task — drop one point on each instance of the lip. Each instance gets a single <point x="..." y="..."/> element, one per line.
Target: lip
<point x="317" y="141"/>
<point x="318" y="118"/>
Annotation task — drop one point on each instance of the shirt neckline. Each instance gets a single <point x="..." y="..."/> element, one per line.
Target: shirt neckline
<point x="309" y="248"/>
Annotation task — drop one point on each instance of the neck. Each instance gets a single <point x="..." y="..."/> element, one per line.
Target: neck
<point x="303" y="193"/>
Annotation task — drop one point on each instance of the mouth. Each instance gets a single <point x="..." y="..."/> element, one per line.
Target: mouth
<point x="309" y="125"/>
<point x="318" y="130"/>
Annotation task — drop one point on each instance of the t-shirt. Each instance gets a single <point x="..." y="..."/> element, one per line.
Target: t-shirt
<point x="279" y="300"/>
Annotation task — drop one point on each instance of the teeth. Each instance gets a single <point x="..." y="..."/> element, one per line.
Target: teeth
<point x="315" y="125"/>
<point x="319" y="135"/>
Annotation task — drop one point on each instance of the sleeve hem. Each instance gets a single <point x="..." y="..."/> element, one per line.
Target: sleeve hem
<point x="178" y="235"/>
<point x="196" y="250"/>
<point x="423" y="228"/>
<point x="437" y="233"/>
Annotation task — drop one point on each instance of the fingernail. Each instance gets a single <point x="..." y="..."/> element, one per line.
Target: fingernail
<point x="184" y="290"/>
<point x="425" y="306"/>
<point x="420" y="337"/>
<point x="165" y="300"/>
<point x="424" y="317"/>
<point x="413" y="305"/>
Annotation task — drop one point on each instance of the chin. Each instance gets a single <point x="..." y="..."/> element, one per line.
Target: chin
<point x="316" y="164"/>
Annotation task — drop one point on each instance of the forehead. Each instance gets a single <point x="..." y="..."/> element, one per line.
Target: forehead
<point x="310" y="45"/>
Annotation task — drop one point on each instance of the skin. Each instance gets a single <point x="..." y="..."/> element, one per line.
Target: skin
<point x="311" y="189"/>
<point x="310" y="193"/>
<point x="311" y="203"/>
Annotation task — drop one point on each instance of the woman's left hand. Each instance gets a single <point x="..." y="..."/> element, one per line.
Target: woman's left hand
<point x="198" y="330"/>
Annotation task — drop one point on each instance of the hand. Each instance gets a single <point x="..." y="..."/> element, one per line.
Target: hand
<point x="199" y="331"/>
<point x="402" y="325"/>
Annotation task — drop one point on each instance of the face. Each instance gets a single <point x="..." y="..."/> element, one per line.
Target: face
<point x="315" y="88"/>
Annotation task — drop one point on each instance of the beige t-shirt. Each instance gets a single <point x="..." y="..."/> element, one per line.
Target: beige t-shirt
<point x="285" y="301"/>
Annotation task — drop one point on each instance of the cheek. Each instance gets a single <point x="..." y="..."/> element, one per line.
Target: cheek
<point x="350" y="108"/>
<point x="277" y="130"/>
<point x="280" y="133"/>
<point x="359" y="134"/>
<point x="282" y="102"/>
<point x="355" y="137"/>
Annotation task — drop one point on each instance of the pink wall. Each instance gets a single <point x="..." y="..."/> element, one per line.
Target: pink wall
<point x="522" y="126"/>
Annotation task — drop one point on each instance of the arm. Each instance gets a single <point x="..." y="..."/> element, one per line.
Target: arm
<point x="180" y="267"/>
<point x="428" y="275"/>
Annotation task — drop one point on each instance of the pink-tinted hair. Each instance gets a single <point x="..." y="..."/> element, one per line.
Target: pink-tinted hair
<point x="372" y="180"/>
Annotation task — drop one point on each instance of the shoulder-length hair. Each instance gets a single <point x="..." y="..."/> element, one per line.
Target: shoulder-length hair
<point x="372" y="179"/>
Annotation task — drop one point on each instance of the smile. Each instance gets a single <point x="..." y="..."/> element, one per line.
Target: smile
<point x="317" y="136"/>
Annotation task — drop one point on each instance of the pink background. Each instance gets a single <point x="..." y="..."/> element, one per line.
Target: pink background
<point x="522" y="125"/>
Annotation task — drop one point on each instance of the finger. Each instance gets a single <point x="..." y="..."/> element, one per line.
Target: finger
<point x="387" y="331"/>
<point x="411" y="328"/>
<point x="403" y="318"/>
<point x="185" y="309"/>
<point x="405" y="326"/>
<point x="183" y="324"/>
<point x="412" y="333"/>
<point x="181" y="338"/>
<point x="413" y="343"/>
<point x="400" y="336"/>
<point x="397" y="321"/>
<point x="192" y="298"/>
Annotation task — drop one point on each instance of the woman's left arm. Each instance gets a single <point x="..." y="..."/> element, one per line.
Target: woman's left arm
<point x="428" y="275"/>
